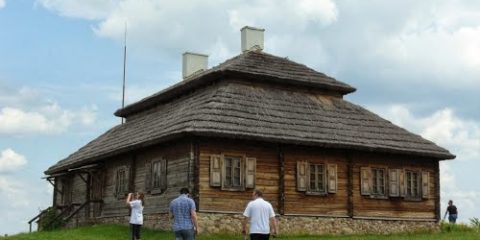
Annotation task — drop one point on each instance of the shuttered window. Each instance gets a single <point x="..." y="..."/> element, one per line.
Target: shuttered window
<point x="412" y="183"/>
<point x="317" y="183"/>
<point x="233" y="172"/>
<point x="378" y="182"/>
<point x="159" y="175"/>
<point x="121" y="182"/>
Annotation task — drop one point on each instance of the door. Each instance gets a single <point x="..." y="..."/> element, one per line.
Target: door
<point x="96" y="194"/>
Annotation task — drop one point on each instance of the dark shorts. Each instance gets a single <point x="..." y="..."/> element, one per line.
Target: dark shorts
<point x="185" y="234"/>
<point x="135" y="231"/>
<point x="258" y="236"/>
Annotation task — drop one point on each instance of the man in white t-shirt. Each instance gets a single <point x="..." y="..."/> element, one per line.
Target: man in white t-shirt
<point x="260" y="214"/>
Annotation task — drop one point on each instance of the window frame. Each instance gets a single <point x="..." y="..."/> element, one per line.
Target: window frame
<point x="158" y="175"/>
<point x="376" y="185"/>
<point x="231" y="174"/>
<point x="121" y="185"/>
<point x="410" y="185"/>
<point x="319" y="181"/>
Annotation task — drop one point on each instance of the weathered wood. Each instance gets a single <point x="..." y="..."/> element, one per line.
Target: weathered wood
<point x="266" y="179"/>
<point x="281" y="181"/>
<point x="436" y="179"/>
<point x="196" y="174"/>
<point x="350" y="204"/>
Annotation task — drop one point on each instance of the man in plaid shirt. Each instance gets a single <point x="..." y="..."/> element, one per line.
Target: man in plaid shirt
<point x="183" y="212"/>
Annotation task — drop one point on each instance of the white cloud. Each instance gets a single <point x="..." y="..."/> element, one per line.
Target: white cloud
<point x="51" y="120"/>
<point x="88" y="9"/>
<point x="2" y="3"/>
<point x="14" y="192"/>
<point x="182" y="25"/>
<point x="443" y="127"/>
<point x="461" y="137"/>
<point x="11" y="161"/>
<point x="46" y="119"/>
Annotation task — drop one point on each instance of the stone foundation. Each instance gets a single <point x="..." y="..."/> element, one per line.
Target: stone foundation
<point x="231" y="223"/>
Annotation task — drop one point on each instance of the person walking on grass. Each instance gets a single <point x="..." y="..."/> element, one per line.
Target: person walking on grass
<point x="261" y="216"/>
<point x="452" y="212"/>
<point x="135" y="202"/>
<point x="184" y="216"/>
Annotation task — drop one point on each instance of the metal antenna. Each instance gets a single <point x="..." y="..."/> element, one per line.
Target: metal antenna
<point x="124" y="67"/>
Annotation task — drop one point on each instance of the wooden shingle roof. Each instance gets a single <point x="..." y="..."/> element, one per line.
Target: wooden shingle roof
<point x="233" y="108"/>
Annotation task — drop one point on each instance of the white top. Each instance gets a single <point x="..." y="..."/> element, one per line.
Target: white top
<point x="259" y="211"/>
<point x="136" y="216"/>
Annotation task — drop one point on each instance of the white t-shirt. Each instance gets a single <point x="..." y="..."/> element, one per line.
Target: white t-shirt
<point x="259" y="211"/>
<point x="137" y="212"/>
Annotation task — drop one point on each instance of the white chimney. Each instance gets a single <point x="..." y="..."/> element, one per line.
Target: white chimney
<point x="252" y="38"/>
<point x="193" y="63"/>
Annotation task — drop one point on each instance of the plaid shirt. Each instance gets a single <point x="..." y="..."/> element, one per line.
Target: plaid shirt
<point x="181" y="208"/>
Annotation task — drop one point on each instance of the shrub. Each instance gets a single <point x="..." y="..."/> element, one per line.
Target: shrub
<point x="475" y="222"/>
<point x="49" y="220"/>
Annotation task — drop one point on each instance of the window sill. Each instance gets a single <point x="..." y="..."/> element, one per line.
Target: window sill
<point x="413" y="199"/>
<point x="378" y="197"/>
<point x="321" y="194"/>
<point x="156" y="191"/>
<point x="233" y="189"/>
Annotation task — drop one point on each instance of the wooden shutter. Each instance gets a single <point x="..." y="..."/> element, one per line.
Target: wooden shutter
<point x="394" y="182"/>
<point x="251" y="165"/>
<point x="148" y="176"/>
<point x="163" y="174"/>
<point x="117" y="183"/>
<point x="332" y="178"/>
<point x="403" y="184"/>
<point x="126" y="185"/>
<point x="365" y="180"/>
<point x="302" y="174"/>
<point x="215" y="170"/>
<point x="425" y="184"/>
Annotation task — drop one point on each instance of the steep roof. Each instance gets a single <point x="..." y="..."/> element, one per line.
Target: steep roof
<point x="258" y="111"/>
<point x="252" y="64"/>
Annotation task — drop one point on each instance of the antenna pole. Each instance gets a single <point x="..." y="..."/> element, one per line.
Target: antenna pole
<point x="124" y="67"/>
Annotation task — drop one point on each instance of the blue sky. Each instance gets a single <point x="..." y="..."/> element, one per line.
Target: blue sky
<point x="416" y="63"/>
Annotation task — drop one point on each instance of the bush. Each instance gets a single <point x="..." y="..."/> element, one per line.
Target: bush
<point x="475" y="222"/>
<point x="49" y="221"/>
<point x="447" y="227"/>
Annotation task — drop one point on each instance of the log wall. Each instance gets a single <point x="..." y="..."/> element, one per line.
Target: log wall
<point x="393" y="207"/>
<point x="267" y="176"/>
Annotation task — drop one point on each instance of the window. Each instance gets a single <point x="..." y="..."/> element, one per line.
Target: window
<point x="317" y="178"/>
<point x="121" y="182"/>
<point x="378" y="182"/>
<point x="159" y="173"/>
<point x="156" y="176"/>
<point x="412" y="184"/>
<point x="233" y="172"/>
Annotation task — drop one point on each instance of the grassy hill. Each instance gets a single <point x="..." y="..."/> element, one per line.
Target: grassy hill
<point x="115" y="232"/>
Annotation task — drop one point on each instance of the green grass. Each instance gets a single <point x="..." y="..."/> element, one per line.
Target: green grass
<point x="116" y="232"/>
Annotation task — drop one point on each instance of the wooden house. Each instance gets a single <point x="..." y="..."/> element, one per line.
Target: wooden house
<point x="255" y="121"/>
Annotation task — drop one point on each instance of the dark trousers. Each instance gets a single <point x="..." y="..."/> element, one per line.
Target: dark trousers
<point x="258" y="236"/>
<point x="187" y="234"/>
<point x="135" y="231"/>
